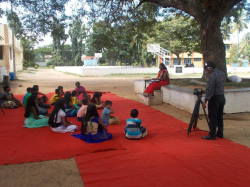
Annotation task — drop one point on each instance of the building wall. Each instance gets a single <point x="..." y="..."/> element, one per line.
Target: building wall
<point x="197" y="58"/>
<point x="92" y="62"/>
<point x="6" y="43"/>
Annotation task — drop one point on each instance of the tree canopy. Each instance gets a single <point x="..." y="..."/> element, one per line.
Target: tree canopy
<point x="123" y="27"/>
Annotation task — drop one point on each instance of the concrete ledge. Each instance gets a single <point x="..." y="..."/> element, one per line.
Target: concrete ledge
<point x="152" y="100"/>
<point x="237" y="100"/>
<point x="179" y="97"/>
<point x="140" y="85"/>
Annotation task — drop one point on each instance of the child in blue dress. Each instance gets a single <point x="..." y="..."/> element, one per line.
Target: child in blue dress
<point x="93" y="129"/>
<point x="70" y="109"/>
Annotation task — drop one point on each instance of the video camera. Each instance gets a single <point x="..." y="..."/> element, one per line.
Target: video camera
<point x="198" y="91"/>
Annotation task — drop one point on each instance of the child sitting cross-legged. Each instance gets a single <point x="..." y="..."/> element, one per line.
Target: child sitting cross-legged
<point x="93" y="130"/>
<point x="106" y="117"/>
<point x="75" y="101"/>
<point x="96" y="99"/>
<point x="55" y="97"/>
<point x="58" y="120"/>
<point x="82" y="111"/>
<point x="134" y="129"/>
<point x="40" y="106"/>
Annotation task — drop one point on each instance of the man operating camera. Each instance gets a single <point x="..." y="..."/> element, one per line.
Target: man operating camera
<point x="216" y="100"/>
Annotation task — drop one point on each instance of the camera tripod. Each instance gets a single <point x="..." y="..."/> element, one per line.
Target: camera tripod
<point x="195" y="115"/>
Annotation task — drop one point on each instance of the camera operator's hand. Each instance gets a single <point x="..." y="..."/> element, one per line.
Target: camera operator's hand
<point x="204" y="105"/>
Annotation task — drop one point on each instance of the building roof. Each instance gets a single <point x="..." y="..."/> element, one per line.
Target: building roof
<point x="89" y="58"/>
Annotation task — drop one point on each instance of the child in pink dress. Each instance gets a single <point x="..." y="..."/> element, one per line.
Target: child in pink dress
<point x="81" y="91"/>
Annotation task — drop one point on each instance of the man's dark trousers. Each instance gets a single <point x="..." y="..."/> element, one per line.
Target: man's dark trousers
<point x="215" y="115"/>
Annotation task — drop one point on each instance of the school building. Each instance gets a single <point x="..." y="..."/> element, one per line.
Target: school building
<point x="6" y="51"/>
<point x="197" y="58"/>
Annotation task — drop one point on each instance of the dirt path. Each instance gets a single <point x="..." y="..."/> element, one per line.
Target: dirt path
<point x="65" y="172"/>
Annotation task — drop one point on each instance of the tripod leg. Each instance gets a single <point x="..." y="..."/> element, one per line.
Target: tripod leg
<point x="205" y="113"/>
<point x="2" y="111"/>
<point x="194" y="116"/>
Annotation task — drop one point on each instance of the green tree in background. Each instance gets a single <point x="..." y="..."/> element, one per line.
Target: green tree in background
<point x="179" y="34"/>
<point x="59" y="38"/>
<point x="208" y="14"/>
<point x="42" y="52"/>
<point x="38" y="17"/>
<point x="77" y="33"/>
<point x="244" y="47"/>
<point x="28" y="52"/>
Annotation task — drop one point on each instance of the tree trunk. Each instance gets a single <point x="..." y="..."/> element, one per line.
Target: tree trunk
<point x="213" y="47"/>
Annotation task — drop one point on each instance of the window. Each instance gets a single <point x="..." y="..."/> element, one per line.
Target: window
<point x="167" y="62"/>
<point x="10" y="54"/>
<point x="227" y="47"/>
<point x="187" y="61"/>
<point x="1" y="52"/>
<point x="197" y="59"/>
<point x="175" y="62"/>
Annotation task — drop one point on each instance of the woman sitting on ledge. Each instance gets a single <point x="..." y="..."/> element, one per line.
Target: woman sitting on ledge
<point x="157" y="83"/>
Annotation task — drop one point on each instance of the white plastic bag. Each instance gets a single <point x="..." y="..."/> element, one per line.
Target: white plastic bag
<point x="234" y="78"/>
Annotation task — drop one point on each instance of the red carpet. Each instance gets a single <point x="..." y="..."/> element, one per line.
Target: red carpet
<point x="21" y="145"/>
<point x="166" y="157"/>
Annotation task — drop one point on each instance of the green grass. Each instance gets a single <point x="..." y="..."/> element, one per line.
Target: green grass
<point x="32" y="71"/>
<point x="45" y="67"/>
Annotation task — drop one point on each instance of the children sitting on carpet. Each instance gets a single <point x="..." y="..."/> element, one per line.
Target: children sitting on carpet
<point x="7" y="99"/>
<point x="32" y="91"/>
<point x="60" y="88"/>
<point x="44" y="97"/>
<point x="55" y="97"/>
<point x="70" y="109"/>
<point x="106" y="117"/>
<point x="41" y="107"/>
<point x="81" y="90"/>
<point x="134" y="129"/>
<point x="93" y="130"/>
<point x="58" y="120"/>
<point x="75" y="101"/>
<point x="82" y="111"/>
<point x="32" y="118"/>
<point x="28" y="91"/>
<point x="96" y="99"/>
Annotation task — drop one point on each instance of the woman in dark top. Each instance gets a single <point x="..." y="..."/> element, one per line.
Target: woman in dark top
<point x="7" y="99"/>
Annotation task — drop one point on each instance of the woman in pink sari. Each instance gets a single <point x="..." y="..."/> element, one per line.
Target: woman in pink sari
<point x="157" y="83"/>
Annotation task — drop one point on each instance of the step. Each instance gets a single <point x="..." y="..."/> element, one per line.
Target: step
<point x="157" y="99"/>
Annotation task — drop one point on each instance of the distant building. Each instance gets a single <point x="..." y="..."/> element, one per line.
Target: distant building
<point x="196" y="58"/>
<point x="47" y="58"/>
<point x="90" y="61"/>
<point x="6" y="50"/>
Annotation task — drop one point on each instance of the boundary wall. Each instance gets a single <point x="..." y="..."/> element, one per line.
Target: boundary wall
<point x="87" y="71"/>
